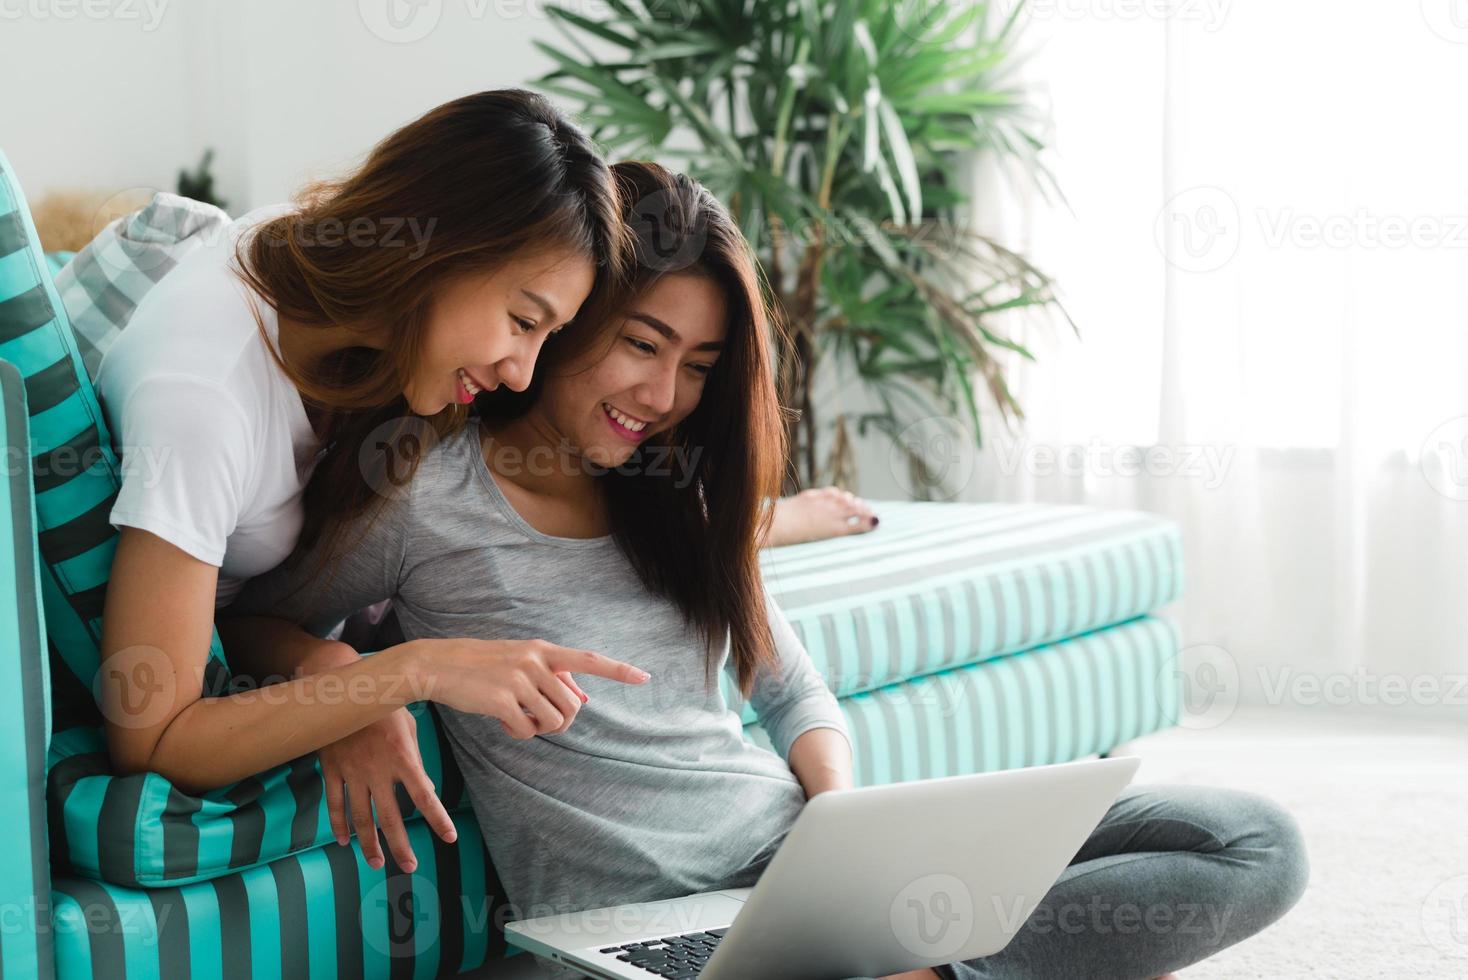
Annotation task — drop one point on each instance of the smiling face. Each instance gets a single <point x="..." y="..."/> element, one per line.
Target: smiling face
<point x="486" y="329"/>
<point x="650" y="379"/>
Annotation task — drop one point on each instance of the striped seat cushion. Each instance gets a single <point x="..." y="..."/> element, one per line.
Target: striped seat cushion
<point x="322" y="914"/>
<point x="938" y="585"/>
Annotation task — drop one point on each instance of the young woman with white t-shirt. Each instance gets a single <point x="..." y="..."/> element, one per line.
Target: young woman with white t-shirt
<point x="250" y="375"/>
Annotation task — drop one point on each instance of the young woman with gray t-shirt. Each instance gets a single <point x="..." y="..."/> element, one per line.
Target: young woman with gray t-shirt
<point x="617" y="507"/>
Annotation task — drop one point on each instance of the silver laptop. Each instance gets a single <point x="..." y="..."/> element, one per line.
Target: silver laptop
<point x="868" y="882"/>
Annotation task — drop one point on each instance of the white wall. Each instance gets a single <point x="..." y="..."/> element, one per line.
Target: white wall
<point x="122" y="93"/>
<point x="119" y="94"/>
<point x="92" y="102"/>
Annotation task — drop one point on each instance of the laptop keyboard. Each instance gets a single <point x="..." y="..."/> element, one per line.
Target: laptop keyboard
<point x="674" y="957"/>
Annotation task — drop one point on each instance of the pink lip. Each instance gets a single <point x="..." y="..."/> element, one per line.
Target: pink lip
<point x="463" y="395"/>
<point x="480" y="381"/>
<point x="621" y="429"/>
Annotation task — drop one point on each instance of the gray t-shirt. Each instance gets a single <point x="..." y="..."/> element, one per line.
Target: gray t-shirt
<point x="653" y="792"/>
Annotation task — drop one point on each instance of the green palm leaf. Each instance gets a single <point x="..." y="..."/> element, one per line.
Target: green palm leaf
<point x="835" y="131"/>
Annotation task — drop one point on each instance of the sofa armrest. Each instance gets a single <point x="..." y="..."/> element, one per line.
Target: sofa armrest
<point x="25" y="721"/>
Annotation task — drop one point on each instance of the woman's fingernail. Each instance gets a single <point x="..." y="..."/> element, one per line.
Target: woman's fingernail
<point x="584" y="698"/>
<point x="374" y="863"/>
<point x="342" y="841"/>
<point x="876" y="520"/>
<point x="642" y="675"/>
<point x="451" y="836"/>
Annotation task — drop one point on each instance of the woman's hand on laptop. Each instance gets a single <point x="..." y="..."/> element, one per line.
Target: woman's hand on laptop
<point x="526" y="684"/>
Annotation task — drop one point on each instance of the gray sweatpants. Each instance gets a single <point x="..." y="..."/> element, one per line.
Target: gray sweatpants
<point x="1170" y="876"/>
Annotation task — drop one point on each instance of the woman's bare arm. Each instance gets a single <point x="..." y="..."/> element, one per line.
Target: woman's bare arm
<point x="156" y="631"/>
<point x="268" y="650"/>
<point x="821" y="760"/>
<point x="155" y="638"/>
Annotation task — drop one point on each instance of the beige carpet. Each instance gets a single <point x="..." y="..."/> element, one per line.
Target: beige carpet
<point x="1383" y="804"/>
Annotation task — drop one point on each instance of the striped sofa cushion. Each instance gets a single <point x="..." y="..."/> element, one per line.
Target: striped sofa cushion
<point x="1052" y="704"/>
<point x="25" y="946"/>
<point x="142" y="830"/>
<point x="322" y="914"/>
<point x="103" y="284"/>
<point x="938" y="585"/>
<point x="72" y="460"/>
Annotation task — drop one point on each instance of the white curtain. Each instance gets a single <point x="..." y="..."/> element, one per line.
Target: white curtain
<point x="1265" y="256"/>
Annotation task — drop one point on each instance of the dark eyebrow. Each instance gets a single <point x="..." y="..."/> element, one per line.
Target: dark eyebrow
<point x="538" y="300"/>
<point x="669" y="332"/>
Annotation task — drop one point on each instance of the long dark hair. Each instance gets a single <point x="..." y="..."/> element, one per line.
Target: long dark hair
<point x="688" y="507"/>
<point x="489" y="175"/>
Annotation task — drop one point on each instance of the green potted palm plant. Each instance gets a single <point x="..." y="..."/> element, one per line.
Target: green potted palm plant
<point x="837" y="132"/>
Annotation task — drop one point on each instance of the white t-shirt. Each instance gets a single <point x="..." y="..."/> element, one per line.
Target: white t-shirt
<point x="216" y="446"/>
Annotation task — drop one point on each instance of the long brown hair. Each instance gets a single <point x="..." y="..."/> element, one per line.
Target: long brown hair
<point x="691" y="526"/>
<point x="485" y="177"/>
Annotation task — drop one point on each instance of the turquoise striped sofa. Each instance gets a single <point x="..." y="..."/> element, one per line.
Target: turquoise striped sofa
<point x="958" y="637"/>
<point x="975" y="637"/>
